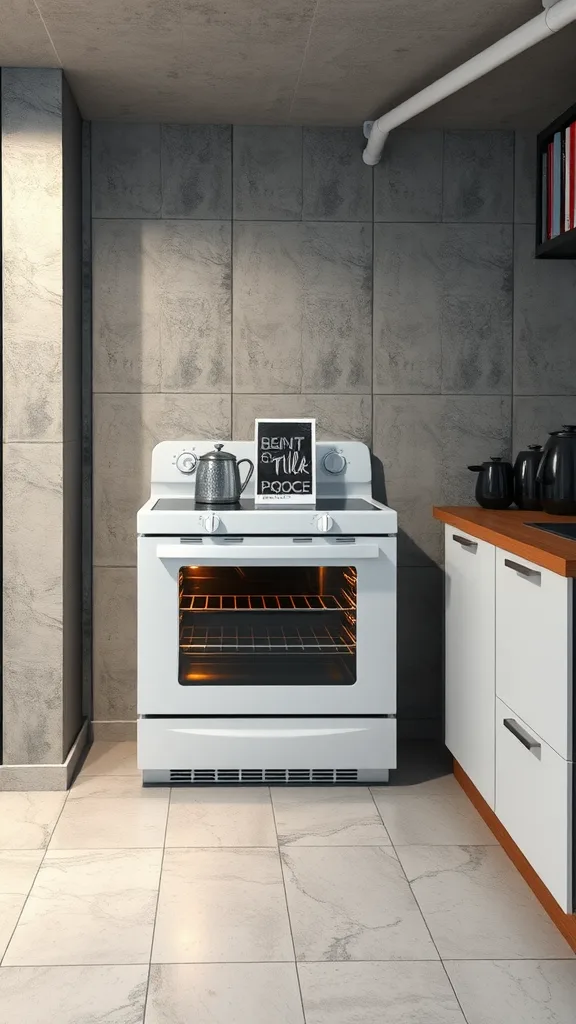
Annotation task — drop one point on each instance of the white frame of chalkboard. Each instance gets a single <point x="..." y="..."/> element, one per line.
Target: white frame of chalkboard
<point x="285" y="499"/>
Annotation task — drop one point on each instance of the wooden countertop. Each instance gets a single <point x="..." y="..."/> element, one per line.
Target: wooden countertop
<point x="509" y="530"/>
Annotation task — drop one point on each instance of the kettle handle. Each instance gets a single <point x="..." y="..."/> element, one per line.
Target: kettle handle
<point x="248" y="475"/>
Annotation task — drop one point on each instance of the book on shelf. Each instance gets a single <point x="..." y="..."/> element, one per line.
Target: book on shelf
<point x="557" y="184"/>
<point x="550" y="189"/>
<point x="567" y="220"/>
<point x="544" y="197"/>
<point x="571" y="164"/>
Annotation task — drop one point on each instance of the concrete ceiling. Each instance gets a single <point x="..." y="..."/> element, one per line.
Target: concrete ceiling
<point x="287" y="61"/>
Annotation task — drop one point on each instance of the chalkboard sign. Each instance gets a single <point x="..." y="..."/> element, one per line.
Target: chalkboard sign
<point x="285" y="462"/>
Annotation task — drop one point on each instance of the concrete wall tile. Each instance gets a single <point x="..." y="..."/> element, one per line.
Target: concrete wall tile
<point x="338" y="417"/>
<point x="426" y="443"/>
<point x="32" y="603"/>
<point x="126" y="428"/>
<point x="114" y="644"/>
<point x="125" y="170"/>
<point x="196" y="171"/>
<point x="302" y="308"/>
<point x="32" y="254"/>
<point x="442" y="308"/>
<point x="544" y="320"/>
<point x="478" y="176"/>
<point x="408" y="179"/>
<point x="267" y="173"/>
<point x="337" y="184"/>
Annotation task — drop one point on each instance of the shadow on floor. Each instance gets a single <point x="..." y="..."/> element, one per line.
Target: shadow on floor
<point x="420" y="761"/>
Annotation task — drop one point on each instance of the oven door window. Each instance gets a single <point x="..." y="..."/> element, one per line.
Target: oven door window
<point x="279" y="626"/>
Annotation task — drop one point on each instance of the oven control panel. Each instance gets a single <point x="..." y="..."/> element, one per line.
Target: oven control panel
<point x="210" y="522"/>
<point x="186" y="462"/>
<point x="342" y="467"/>
<point x="334" y="462"/>
<point x="324" y="523"/>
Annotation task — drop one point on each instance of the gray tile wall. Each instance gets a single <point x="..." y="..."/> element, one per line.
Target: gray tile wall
<point x="267" y="271"/>
<point x="41" y="343"/>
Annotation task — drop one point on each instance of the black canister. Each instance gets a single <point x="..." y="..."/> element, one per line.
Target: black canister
<point x="557" y="473"/>
<point x="526" y="486"/>
<point x="495" y="484"/>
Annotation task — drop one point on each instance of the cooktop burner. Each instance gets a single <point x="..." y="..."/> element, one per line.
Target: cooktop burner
<point x="248" y="505"/>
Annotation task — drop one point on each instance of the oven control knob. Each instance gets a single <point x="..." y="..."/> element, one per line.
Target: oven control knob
<point x="324" y="524"/>
<point x="186" y="462"/>
<point x="211" y="522"/>
<point x="334" y="462"/>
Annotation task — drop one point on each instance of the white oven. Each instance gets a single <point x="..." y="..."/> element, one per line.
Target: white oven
<point x="267" y="626"/>
<point x="266" y="638"/>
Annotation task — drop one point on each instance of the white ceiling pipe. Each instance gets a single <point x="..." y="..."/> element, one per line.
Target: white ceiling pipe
<point x="551" y="20"/>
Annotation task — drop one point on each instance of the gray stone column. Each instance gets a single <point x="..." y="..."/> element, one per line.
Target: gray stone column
<point x="42" y="729"/>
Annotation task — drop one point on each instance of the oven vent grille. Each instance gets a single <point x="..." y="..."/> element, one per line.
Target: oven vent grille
<point x="228" y="776"/>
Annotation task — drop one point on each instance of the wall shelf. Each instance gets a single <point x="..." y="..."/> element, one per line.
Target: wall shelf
<point x="563" y="246"/>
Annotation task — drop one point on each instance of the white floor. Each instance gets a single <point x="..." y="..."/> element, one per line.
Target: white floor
<point x="394" y="905"/>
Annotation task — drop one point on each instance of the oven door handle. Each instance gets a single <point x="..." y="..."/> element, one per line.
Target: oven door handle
<point x="230" y="552"/>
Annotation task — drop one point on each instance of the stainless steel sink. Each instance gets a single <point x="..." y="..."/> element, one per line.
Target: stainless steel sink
<point x="567" y="530"/>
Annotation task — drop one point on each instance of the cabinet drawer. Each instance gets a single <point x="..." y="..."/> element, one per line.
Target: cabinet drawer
<point x="534" y="801"/>
<point x="470" y="596"/>
<point x="534" y="647"/>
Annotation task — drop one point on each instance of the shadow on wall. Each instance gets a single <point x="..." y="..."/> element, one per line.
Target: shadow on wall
<point x="420" y="631"/>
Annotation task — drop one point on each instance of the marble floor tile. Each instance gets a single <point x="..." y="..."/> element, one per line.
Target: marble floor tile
<point x="353" y="903"/>
<point x="73" y="995"/>
<point x="93" y="907"/>
<point x="112" y="812"/>
<point x="224" y="994"/>
<point x="221" y="905"/>
<point x="106" y="758"/>
<point x="17" y="872"/>
<point x="221" y="817"/>
<point x="327" y="816"/>
<point x="477" y="906"/>
<point x="378" y="993"/>
<point x="27" y="819"/>
<point x="504" y="991"/>
<point x="432" y="812"/>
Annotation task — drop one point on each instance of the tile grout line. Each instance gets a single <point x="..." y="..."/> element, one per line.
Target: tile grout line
<point x="33" y="883"/>
<point x="241" y="963"/>
<point x="278" y="848"/>
<point x="157" y="905"/>
<point x="440" y="960"/>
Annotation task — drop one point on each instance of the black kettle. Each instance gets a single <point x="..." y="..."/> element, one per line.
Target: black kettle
<point x="557" y="473"/>
<point x="526" y="486"/>
<point x="495" y="483"/>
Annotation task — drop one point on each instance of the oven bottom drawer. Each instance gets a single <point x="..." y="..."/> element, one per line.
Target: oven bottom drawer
<point x="269" y="750"/>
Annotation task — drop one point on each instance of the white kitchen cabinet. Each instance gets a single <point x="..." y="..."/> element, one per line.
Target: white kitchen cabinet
<point x="533" y="801"/>
<point x="534" y="647"/>
<point x="470" y="656"/>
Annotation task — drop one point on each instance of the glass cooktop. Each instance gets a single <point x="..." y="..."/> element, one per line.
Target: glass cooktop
<point x="567" y="530"/>
<point x="248" y="505"/>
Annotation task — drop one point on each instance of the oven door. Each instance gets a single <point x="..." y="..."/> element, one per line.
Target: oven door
<point x="267" y="626"/>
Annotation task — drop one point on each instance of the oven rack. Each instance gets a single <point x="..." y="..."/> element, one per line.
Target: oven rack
<point x="245" y="640"/>
<point x="265" y="602"/>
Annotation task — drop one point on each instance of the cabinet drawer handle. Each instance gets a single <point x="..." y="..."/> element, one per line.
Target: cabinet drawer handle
<point x="464" y="541"/>
<point x="524" y="570"/>
<point x="525" y="738"/>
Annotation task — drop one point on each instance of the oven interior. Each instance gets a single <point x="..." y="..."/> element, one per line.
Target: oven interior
<point x="279" y="625"/>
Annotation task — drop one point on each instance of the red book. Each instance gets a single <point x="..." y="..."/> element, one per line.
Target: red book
<point x="571" y="159"/>
<point x="550" y="188"/>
